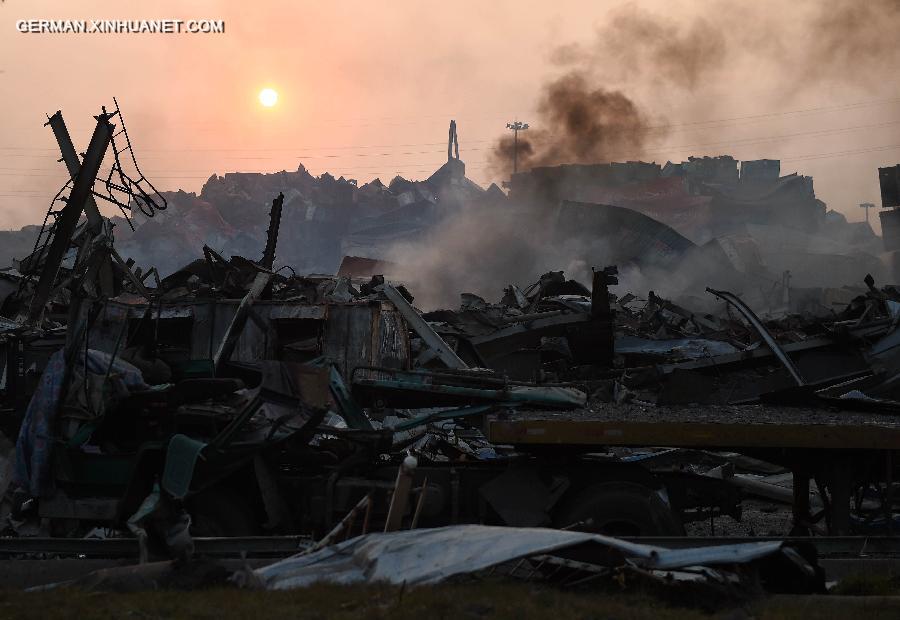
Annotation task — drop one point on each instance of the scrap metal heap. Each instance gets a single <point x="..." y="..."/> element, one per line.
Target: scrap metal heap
<point x="308" y="392"/>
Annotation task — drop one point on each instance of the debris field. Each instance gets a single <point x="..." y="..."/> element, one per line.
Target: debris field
<point x="257" y="360"/>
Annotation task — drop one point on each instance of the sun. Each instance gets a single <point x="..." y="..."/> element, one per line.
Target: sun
<point x="268" y="97"/>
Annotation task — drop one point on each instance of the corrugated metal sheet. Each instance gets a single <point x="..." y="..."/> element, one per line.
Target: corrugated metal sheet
<point x="317" y="311"/>
<point x="348" y="336"/>
<point x="417" y="557"/>
<point x="366" y="335"/>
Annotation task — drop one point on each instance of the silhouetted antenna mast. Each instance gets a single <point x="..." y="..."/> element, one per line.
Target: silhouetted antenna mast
<point x="516" y="127"/>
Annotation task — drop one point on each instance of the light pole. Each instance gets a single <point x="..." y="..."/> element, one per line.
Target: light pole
<point x="516" y="126"/>
<point x="867" y="206"/>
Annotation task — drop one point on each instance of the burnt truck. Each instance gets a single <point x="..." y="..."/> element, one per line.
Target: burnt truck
<point x="328" y="387"/>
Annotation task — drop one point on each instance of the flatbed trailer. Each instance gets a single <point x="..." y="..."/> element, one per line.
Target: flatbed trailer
<point x="840" y="450"/>
<point x="720" y="427"/>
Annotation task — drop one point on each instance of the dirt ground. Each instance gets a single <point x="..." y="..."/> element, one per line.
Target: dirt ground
<point x="478" y="600"/>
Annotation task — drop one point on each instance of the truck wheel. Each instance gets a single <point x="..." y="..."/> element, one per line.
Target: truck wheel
<point x="619" y="509"/>
<point x="221" y="512"/>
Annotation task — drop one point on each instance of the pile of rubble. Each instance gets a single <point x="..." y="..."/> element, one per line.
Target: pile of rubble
<point x="325" y="218"/>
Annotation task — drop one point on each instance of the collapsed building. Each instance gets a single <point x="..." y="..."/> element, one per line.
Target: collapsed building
<point x="324" y="218"/>
<point x="763" y="223"/>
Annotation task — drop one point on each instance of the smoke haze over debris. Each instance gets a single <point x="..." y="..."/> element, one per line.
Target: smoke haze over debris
<point x="608" y="100"/>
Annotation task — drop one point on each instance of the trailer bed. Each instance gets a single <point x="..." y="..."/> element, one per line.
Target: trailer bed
<point x="747" y="426"/>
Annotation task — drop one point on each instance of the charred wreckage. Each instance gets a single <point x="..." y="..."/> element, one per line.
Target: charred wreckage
<point x="233" y="399"/>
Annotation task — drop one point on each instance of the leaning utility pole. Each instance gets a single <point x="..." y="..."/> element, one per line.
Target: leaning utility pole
<point x="79" y="200"/>
<point x="516" y="126"/>
<point x="73" y="165"/>
<point x="93" y="270"/>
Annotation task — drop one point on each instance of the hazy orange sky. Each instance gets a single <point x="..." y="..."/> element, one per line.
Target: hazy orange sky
<point x="368" y="88"/>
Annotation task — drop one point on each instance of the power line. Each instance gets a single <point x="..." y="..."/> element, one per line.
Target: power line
<point x="874" y="149"/>
<point x="289" y="149"/>
<point x="422" y="118"/>
<point x="410" y="167"/>
<point x="815" y="110"/>
<point x="660" y="148"/>
<point x="734" y="141"/>
<point x="759" y="140"/>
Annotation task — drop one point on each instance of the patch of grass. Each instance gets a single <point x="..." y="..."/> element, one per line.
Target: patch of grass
<point x="449" y="601"/>
<point x="793" y="607"/>
<point x="884" y="584"/>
